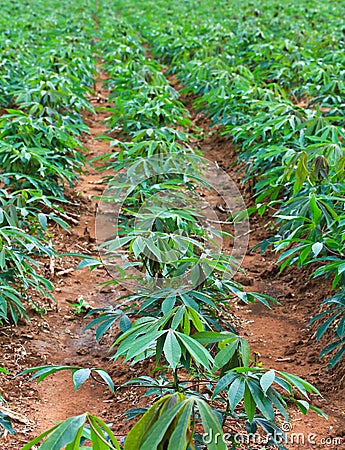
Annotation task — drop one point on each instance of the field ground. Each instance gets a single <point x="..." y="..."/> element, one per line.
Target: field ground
<point x="281" y="336"/>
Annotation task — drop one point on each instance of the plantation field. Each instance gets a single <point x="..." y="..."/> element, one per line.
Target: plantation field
<point x="172" y="224"/>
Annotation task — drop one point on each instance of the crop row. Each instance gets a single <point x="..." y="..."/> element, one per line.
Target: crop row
<point x="46" y="70"/>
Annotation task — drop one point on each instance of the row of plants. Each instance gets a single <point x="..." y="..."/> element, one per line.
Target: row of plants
<point x="179" y="314"/>
<point x="270" y="77"/>
<point x="46" y="72"/>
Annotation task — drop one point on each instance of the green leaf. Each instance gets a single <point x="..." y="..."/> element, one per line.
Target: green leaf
<point x="178" y="439"/>
<point x="325" y="326"/>
<point x="75" y="444"/>
<point x="137" y="246"/>
<point x="224" y="382"/>
<point x="263" y="403"/>
<point x="125" y="323"/>
<point x="301" y="172"/>
<point x="137" y="433"/>
<point x="178" y="317"/>
<point x="225" y="355"/>
<point x="172" y="350"/>
<point x="249" y="404"/>
<point x="37" y="439"/>
<point x="196" y="319"/>
<point x="89" y="262"/>
<point x="341" y="328"/>
<point x="42" y="220"/>
<point x="79" y="377"/>
<point x="197" y="351"/>
<point x="116" y="243"/>
<point x="266" y="380"/>
<point x="319" y="411"/>
<point x="64" y="433"/>
<point x="303" y="406"/>
<point x="156" y="433"/>
<point x="210" y="337"/>
<point x="3" y="258"/>
<point x="316" y="212"/>
<point x="337" y="357"/>
<point x="5" y="423"/>
<point x="316" y="248"/>
<point x="245" y="352"/>
<point x="43" y="372"/>
<point x="153" y="249"/>
<point x="106" y="377"/>
<point x="302" y="385"/>
<point x="142" y="344"/>
<point x="168" y="304"/>
<point x="210" y="422"/>
<point x="236" y="392"/>
<point x="110" y="436"/>
<point x="97" y="435"/>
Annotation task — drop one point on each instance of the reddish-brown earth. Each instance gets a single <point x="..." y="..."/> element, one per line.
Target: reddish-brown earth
<point x="280" y="337"/>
